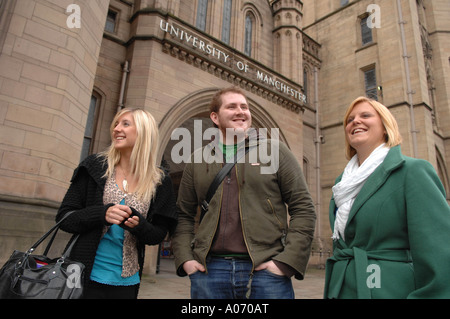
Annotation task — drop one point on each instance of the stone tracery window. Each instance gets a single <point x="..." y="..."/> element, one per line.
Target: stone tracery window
<point x="249" y="22"/>
<point x="202" y="11"/>
<point x="226" y="21"/>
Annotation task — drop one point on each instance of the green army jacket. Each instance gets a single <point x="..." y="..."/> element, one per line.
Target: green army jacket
<point x="263" y="198"/>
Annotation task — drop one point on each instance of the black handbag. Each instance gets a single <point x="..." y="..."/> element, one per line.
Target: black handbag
<point x="28" y="276"/>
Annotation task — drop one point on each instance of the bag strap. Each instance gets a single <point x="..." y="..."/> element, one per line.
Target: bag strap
<point x="218" y="179"/>
<point x="50" y="242"/>
<point x="53" y="229"/>
<point x="69" y="248"/>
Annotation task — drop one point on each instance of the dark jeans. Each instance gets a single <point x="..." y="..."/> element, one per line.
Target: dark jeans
<point x="229" y="279"/>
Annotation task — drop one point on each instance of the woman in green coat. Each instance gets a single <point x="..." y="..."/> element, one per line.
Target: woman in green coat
<point x="389" y="216"/>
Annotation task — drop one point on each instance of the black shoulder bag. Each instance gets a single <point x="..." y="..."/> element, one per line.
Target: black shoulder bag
<point x="217" y="180"/>
<point x="29" y="276"/>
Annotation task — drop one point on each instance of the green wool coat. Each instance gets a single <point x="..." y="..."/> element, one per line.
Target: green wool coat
<point x="397" y="238"/>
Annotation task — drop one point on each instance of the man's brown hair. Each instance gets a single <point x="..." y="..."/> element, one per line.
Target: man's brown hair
<point x="216" y="101"/>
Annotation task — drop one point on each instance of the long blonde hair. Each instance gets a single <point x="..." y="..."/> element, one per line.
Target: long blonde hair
<point x="144" y="154"/>
<point x="393" y="136"/>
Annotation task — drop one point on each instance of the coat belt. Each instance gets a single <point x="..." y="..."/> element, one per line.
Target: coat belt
<point x="338" y="263"/>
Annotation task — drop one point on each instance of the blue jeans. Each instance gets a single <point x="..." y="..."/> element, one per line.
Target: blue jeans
<point x="229" y="279"/>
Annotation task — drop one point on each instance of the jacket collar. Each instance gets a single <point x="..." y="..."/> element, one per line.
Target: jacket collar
<point x="95" y="165"/>
<point x="393" y="160"/>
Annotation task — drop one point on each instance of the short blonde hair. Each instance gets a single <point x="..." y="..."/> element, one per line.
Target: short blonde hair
<point x="144" y="154"/>
<point x="393" y="136"/>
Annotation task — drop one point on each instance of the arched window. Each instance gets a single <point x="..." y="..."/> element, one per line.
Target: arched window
<point x="366" y="32"/>
<point x="202" y="11"/>
<point x="226" y="22"/>
<point x="370" y="83"/>
<point x="249" y="22"/>
<point x="89" y="130"/>
<point x="305" y="82"/>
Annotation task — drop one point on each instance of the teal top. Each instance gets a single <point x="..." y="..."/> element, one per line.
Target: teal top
<point x="107" y="267"/>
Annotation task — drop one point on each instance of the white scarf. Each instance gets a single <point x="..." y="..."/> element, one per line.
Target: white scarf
<point x="351" y="183"/>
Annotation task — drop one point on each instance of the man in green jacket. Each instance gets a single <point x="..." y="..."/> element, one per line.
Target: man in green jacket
<point x="244" y="246"/>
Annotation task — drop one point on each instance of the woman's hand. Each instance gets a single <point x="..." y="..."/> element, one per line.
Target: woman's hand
<point x="132" y="222"/>
<point x="117" y="214"/>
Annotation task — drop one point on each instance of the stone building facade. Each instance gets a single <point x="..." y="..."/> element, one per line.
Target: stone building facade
<point x="67" y="66"/>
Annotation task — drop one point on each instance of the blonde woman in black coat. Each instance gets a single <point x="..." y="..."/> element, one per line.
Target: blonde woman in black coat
<point x="122" y="201"/>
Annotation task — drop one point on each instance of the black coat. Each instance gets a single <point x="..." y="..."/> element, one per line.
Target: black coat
<point x="85" y="198"/>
